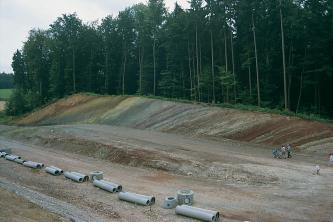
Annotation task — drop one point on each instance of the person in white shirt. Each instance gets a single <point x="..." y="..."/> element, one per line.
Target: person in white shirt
<point x="283" y="151"/>
<point x="317" y="170"/>
<point x="330" y="161"/>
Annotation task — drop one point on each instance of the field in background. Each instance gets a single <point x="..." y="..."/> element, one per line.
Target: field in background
<point x="5" y="94"/>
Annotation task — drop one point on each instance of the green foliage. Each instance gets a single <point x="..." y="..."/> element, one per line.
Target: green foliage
<point x="4" y="118"/>
<point x="5" y="94"/>
<point x="146" y="50"/>
<point x="21" y="102"/>
<point x="6" y="81"/>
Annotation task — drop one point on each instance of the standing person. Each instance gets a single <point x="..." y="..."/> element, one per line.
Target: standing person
<point x="289" y="150"/>
<point x="317" y="170"/>
<point x="283" y="151"/>
<point x="330" y="161"/>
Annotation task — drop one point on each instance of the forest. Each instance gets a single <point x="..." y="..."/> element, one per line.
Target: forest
<point x="268" y="53"/>
<point x="6" y="81"/>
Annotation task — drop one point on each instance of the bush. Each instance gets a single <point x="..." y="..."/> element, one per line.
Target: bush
<point x="21" y="102"/>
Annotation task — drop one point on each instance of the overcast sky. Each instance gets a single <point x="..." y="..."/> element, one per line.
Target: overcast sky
<point x="17" y="17"/>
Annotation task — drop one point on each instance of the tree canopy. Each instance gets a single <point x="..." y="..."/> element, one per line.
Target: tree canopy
<point x="271" y="53"/>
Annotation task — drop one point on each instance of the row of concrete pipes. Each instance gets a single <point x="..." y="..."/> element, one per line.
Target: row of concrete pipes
<point x="146" y="200"/>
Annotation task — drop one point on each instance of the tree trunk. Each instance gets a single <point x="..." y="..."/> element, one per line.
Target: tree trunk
<point x="141" y="56"/>
<point x="233" y="64"/>
<point x="194" y="74"/>
<point x="225" y="51"/>
<point x="256" y="57"/>
<point x="212" y="58"/>
<point x="124" y="71"/>
<point x="40" y="89"/>
<point x="189" y="67"/>
<point x="301" y="83"/>
<point x="283" y="61"/>
<point x="154" y="61"/>
<point x="106" y="83"/>
<point x="291" y="62"/>
<point x="197" y="56"/>
<point x="73" y="63"/>
<point x="250" y="80"/>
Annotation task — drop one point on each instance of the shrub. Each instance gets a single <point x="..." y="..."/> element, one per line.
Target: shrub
<point x="21" y="102"/>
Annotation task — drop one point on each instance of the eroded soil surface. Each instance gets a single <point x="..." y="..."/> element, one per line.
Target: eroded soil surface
<point x="195" y="120"/>
<point x="15" y="209"/>
<point x="239" y="179"/>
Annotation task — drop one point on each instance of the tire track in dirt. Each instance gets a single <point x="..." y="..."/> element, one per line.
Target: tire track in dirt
<point x="51" y="204"/>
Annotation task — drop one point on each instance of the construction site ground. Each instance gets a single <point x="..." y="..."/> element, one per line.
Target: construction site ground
<point x="231" y="171"/>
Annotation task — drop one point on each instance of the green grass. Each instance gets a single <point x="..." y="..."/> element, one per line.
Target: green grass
<point x="5" y="94"/>
<point x="237" y="106"/>
<point x="4" y="118"/>
<point x="252" y="108"/>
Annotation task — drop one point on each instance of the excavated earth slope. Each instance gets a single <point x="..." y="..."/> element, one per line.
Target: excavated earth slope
<point x="195" y="120"/>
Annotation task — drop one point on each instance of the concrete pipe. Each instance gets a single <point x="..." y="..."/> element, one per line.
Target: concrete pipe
<point x="96" y="175"/>
<point x="12" y="157"/>
<point x="85" y="177"/>
<point x="185" y="197"/>
<point x="105" y="185"/>
<point x="3" y="154"/>
<point x="53" y="171"/>
<point x="137" y="198"/>
<point x="118" y="187"/>
<point x="169" y="203"/>
<point x="56" y="168"/>
<point x="198" y="213"/>
<point x="34" y="165"/>
<point x="74" y="177"/>
<point x="20" y="161"/>
<point x="7" y="151"/>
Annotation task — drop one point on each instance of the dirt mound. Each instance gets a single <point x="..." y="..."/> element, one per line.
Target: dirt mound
<point x="187" y="119"/>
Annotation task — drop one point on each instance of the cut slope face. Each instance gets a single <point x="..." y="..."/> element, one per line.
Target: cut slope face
<point x="186" y="119"/>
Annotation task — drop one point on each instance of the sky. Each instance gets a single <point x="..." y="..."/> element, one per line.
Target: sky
<point x="17" y="17"/>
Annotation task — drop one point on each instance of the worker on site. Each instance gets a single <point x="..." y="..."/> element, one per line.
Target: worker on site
<point x="283" y="151"/>
<point x="316" y="170"/>
<point x="330" y="161"/>
<point x="289" y="151"/>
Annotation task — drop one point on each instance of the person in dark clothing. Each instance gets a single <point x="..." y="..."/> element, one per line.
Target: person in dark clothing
<point x="289" y="150"/>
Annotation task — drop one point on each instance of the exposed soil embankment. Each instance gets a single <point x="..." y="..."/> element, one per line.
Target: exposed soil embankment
<point x="187" y="119"/>
<point x="102" y="143"/>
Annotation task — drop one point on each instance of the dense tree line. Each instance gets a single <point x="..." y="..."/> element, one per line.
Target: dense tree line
<point x="270" y="53"/>
<point x="6" y="81"/>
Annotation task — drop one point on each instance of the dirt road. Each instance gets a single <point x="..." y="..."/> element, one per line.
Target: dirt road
<point x="15" y="209"/>
<point x="240" y="180"/>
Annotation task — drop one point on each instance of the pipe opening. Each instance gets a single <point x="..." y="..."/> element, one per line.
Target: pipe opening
<point x="119" y="188"/>
<point x="114" y="190"/>
<point x="81" y="179"/>
<point x="171" y="198"/>
<point x="152" y="200"/>
<point x="148" y="202"/>
<point x="56" y="172"/>
<point x="38" y="166"/>
<point x="86" y="178"/>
